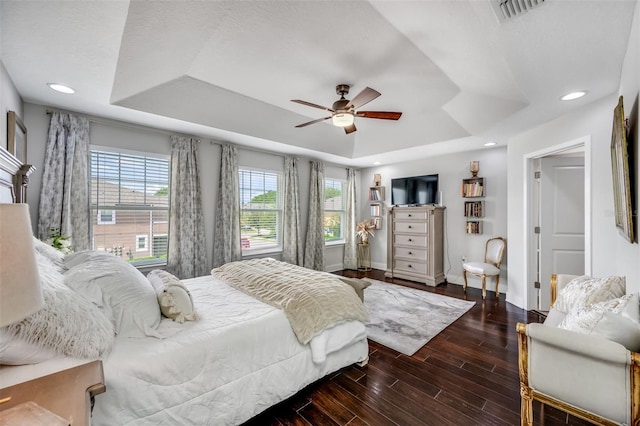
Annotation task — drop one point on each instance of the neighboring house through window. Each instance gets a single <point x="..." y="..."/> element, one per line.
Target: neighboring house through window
<point x="134" y="188"/>
<point x="260" y="210"/>
<point x="334" y="210"/>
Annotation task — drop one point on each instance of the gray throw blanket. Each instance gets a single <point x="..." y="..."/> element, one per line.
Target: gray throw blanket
<point x="312" y="300"/>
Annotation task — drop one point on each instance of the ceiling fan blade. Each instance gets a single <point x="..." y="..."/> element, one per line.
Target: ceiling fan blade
<point x="313" y="122"/>
<point x="364" y="97"/>
<point x="298" y="101"/>
<point x="384" y="115"/>
<point x="350" y="129"/>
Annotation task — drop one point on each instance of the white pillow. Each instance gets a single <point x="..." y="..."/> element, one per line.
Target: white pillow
<point x="173" y="296"/>
<point x="68" y="323"/>
<point x="123" y="293"/>
<point x="617" y="320"/>
<point x="584" y="290"/>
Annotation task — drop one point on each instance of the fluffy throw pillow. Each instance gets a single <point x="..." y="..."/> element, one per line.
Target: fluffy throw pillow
<point x="616" y="320"/>
<point x="173" y="296"/>
<point x="123" y="293"/>
<point x="584" y="290"/>
<point x="54" y="255"/>
<point x="68" y="323"/>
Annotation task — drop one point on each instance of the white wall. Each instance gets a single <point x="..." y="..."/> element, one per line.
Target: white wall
<point x="10" y="100"/>
<point x="610" y="252"/>
<point x="451" y="169"/>
<point x="138" y="138"/>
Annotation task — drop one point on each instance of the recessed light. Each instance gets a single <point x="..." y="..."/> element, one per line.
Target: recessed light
<point x="377" y="163"/>
<point x="490" y="144"/>
<point x="61" y="88"/>
<point x="574" y="95"/>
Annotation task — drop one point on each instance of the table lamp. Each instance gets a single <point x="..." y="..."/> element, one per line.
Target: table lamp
<point x="20" y="293"/>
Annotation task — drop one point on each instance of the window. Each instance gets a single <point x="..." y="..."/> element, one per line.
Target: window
<point x="134" y="188"/>
<point x="334" y="209"/>
<point x="142" y="242"/>
<point x="106" y="217"/>
<point x="260" y="210"/>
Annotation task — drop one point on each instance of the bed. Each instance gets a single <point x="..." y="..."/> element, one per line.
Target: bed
<point x="232" y="357"/>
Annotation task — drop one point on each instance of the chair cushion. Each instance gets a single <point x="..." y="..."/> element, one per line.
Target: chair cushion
<point x="481" y="268"/>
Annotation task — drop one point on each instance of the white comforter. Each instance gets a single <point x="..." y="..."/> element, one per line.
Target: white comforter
<point x="238" y="359"/>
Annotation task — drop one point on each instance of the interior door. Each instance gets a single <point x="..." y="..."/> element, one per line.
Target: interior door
<point x="561" y="220"/>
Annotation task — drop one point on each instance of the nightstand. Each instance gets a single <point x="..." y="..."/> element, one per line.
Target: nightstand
<point x="65" y="389"/>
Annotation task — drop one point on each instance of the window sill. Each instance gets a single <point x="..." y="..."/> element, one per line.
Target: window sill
<point x="334" y="243"/>
<point x="247" y="254"/>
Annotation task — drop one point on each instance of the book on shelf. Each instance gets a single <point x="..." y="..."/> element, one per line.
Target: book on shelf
<point x="374" y="194"/>
<point x="473" y="209"/>
<point x="473" y="189"/>
<point x="474" y="227"/>
<point x="375" y="209"/>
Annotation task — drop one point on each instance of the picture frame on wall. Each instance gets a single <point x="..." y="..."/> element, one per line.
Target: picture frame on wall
<point x="620" y="166"/>
<point x="16" y="137"/>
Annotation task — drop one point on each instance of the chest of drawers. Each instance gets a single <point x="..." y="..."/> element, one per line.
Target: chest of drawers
<point x="416" y="244"/>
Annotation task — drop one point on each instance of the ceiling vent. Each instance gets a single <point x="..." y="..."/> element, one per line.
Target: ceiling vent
<point x="506" y="10"/>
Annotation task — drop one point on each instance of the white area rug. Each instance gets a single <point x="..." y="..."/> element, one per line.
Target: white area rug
<point x="404" y="319"/>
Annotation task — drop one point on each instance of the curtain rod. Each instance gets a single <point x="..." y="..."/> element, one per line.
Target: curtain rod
<point x="126" y="125"/>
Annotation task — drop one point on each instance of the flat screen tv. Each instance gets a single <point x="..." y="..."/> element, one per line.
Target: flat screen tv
<point x="415" y="190"/>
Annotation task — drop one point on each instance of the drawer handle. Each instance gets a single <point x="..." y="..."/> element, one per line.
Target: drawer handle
<point x="409" y="226"/>
<point x="409" y="215"/>
<point x="410" y="266"/>
<point x="410" y="253"/>
<point x="410" y="239"/>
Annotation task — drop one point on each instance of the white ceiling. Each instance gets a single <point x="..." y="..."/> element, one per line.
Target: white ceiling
<point x="228" y="69"/>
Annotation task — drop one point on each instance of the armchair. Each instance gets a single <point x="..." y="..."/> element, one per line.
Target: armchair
<point x="494" y="250"/>
<point x="587" y="376"/>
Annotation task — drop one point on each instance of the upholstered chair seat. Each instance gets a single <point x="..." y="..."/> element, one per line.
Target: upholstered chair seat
<point x="494" y="250"/>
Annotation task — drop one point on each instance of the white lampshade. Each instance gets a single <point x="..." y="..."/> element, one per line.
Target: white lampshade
<point x="20" y="293"/>
<point x="342" y="119"/>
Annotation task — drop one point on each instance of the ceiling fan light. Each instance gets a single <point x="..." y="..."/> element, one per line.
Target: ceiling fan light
<point x="342" y="119"/>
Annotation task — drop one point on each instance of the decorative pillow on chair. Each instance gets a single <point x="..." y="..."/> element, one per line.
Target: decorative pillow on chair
<point x="68" y="324"/>
<point x="123" y="293"/>
<point x="584" y="290"/>
<point x="173" y="297"/>
<point x="617" y="320"/>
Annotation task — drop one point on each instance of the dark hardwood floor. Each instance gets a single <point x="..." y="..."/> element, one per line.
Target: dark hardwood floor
<point x="466" y="375"/>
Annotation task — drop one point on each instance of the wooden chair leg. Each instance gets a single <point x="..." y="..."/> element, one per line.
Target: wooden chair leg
<point x="497" y="281"/>
<point x="526" y="407"/>
<point x="484" y="286"/>
<point x="464" y="275"/>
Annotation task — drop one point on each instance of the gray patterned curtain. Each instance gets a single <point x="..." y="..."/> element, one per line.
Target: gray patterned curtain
<point x="292" y="243"/>
<point x="314" y="248"/>
<point x="187" y="256"/>
<point x="350" y="260"/>
<point x="64" y="197"/>
<point x="226" y="238"/>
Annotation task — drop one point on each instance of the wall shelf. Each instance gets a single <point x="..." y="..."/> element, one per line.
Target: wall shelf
<point x="376" y="205"/>
<point x="473" y="210"/>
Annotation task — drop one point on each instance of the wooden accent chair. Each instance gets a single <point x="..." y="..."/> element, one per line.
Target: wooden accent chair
<point x="587" y="376"/>
<point x="493" y="252"/>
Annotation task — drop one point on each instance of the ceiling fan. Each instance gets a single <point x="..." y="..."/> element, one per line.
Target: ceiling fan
<point x="343" y="111"/>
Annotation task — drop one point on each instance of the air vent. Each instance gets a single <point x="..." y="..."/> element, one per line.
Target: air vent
<point x="508" y="9"/>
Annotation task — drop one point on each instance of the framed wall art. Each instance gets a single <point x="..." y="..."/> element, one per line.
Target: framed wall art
<point x="16" y="137"/>
<point x="620" y="165"/>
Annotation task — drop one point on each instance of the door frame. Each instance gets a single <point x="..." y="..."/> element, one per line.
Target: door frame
<point x="530" y="247"/>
